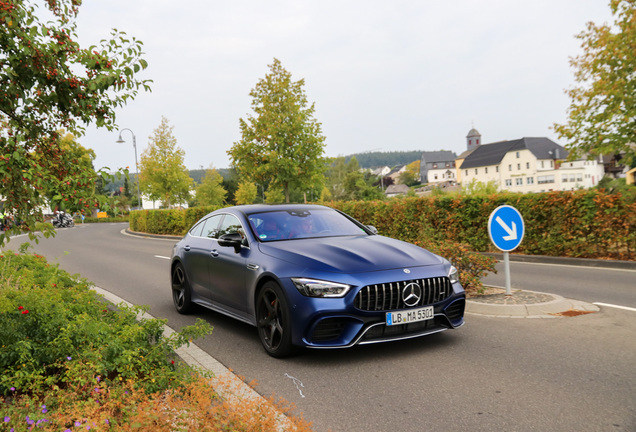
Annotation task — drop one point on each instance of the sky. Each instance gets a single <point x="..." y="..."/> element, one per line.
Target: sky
<point x="384" y="75"/>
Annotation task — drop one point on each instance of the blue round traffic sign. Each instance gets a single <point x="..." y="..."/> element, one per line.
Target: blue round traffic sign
<point x="506" y="228"/>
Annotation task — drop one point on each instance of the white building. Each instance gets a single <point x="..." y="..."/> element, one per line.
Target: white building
<point x="438" y="167"/>
<point x="528" y="165"/>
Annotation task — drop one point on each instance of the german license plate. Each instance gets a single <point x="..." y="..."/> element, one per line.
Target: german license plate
<point x="409" y="316"/>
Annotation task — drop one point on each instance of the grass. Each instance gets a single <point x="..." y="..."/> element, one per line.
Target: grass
<point x="70" y="361"/>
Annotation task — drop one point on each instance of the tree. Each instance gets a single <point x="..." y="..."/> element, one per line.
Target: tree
<point x="602" y="112"/>
<point x="49" y="83"/>
<point x="162" y="174"/>
<point x="410" y="176"/>
<point x="245" y="193"/>
<point x="63" y="193"/>
<point x="211" y="190"/>
<point x="283" y="145"/>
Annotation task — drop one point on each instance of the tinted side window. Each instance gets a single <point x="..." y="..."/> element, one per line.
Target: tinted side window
<point x="210" y="228"/>
<point x="230" y="225"/>
<point x="196" y="230"/>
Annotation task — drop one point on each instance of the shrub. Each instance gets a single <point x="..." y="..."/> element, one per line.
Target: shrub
<point x="53" y="327"/>
<point x="71" y="361"/>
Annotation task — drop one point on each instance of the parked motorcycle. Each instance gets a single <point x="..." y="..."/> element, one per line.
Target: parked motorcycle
<point x="63" y="220"/>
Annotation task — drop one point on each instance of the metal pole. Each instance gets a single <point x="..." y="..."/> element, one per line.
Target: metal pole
<point x="141" y="206"/>
<point x="507" y="271"/>
<point x="120" y="140"/>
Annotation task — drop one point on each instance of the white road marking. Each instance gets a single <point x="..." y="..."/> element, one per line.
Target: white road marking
<point x="570" y="265"/>
<point x="162" y="257"/>
<point x="616" y="306"/>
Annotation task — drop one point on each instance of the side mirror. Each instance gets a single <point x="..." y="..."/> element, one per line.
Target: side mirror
<point x="231" y="240"/>
<point x="371" y="228"/>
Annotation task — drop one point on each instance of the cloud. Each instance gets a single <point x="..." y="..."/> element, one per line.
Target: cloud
<point x="399" y="75"/>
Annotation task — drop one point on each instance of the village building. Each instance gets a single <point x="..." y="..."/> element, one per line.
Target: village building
<point x="525" y="165"/>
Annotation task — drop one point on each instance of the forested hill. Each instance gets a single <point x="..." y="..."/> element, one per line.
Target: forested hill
<point x="380" y="159"/>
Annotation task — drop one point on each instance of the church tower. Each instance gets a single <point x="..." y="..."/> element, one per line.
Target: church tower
<point x="473" y="139"/>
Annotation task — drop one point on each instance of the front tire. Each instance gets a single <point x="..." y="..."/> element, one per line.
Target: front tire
<point x="181" y="293"/>
<point x="273" y="321"/>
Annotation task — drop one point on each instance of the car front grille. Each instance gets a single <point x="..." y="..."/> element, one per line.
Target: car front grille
<point x="390" y="296"/>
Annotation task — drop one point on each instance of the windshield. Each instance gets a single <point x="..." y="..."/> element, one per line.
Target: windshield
<point x="302" y="223"/>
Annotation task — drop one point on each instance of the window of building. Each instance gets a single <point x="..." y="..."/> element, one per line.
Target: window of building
<point x="519" y="181"/>
<point x="545" y="179"/>
<point x="572" y="178"/>
<point x="579" y="177"/>
<point x="564" y="178"/>
<point x="466" y="172"/>
<point x="510" y="167"/>
<point x="497" y="168"/>
<point x="530" y="180"/>
<point x="486" y="170"/>
<point x="518" y="167"/>
<point x="551" y="164"/>
<point x="542" y="164"/>
<point x="517" y="155"/>
<point x="527" y="165"/>
<point x="508" y="182"/>
<point x="476" y="171"/>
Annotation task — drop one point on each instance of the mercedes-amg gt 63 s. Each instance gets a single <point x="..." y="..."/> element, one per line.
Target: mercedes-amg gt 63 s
<point x="311" y="276"/>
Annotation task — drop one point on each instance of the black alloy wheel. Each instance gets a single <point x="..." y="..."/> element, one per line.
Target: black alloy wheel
<point x="273" y="321"/>
<point x="181" y="294"/>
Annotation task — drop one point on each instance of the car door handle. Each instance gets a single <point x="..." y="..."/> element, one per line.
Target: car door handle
<point x="214" y="253"/>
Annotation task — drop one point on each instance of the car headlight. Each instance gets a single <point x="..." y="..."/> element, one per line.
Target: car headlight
<point x="320" y="288"/>
<point x="453" y="274"/>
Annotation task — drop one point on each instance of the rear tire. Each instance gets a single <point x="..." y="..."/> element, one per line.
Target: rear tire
<point x="181" y="293"/>
<point x="273" y="321"/>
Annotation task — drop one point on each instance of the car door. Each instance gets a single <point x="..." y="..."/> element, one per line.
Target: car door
<point x="228" y="268"/>
<point x="198" y="253"/>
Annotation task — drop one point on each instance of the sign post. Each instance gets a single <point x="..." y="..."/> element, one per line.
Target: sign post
<point x="506" y="229"/>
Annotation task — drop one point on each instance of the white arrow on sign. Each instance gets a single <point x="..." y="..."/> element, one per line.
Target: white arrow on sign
<point x="512" y="232"/>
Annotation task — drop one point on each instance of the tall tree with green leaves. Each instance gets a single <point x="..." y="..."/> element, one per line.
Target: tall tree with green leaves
<point x="48" y="83"/>
<point x="602" y="113"/>
<point x="162" y="173"/>
<point x="282" y="145"/>
<point x="211" y="190"/>
<point x="245" y="193"/>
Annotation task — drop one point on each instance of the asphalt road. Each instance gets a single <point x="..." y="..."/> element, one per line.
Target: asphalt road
<point x="566" y="374"/>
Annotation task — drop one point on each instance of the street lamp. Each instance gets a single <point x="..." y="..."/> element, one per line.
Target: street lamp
<point x="121" y="141"/>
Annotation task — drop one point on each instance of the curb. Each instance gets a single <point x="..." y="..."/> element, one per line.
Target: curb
<point x="225" y="382"/>
<point x="549" y="309"/>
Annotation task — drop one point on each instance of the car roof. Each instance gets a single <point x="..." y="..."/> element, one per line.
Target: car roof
<point x="261" y="208"/>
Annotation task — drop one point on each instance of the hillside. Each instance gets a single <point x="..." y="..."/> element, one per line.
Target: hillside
<point x="380" y="159"/>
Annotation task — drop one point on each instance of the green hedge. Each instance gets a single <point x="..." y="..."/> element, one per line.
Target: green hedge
<point x="584" y="224"/>
<point x="174" y="222"/>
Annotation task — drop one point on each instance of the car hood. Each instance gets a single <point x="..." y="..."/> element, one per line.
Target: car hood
<point x="350" y="254"/>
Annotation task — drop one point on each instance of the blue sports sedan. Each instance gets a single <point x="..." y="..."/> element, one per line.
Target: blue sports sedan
<point x="311" y="276"/>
